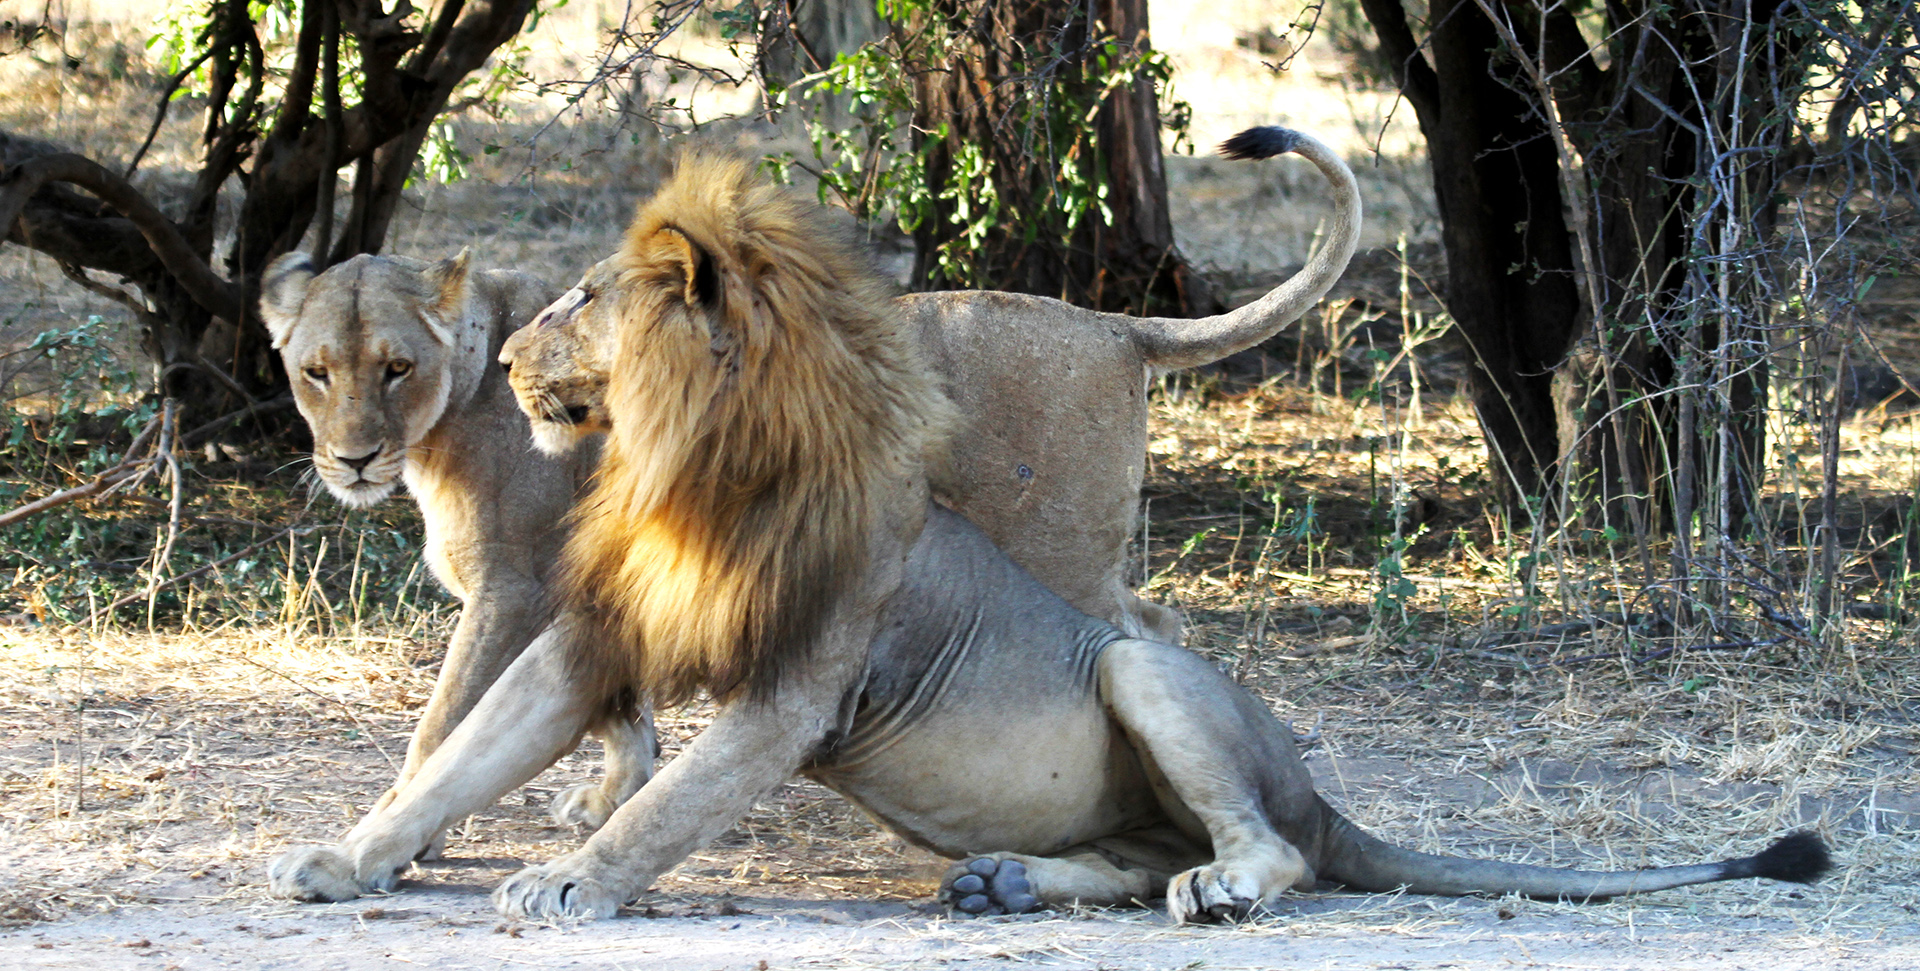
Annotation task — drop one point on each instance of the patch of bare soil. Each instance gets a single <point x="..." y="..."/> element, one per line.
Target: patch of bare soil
<point x="146" y="780"/>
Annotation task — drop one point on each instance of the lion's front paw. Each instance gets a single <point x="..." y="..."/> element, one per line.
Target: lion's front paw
<point x="584" y="808"/>
<point x="542" y="892"/>
<point x="323" y="874"/>
<point x="987" y="885"/>
<point x="436" y="849"/>
<point x="1212" y="894"/>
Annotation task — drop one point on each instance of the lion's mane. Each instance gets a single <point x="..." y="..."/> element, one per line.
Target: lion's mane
<point x="768" y="403"/>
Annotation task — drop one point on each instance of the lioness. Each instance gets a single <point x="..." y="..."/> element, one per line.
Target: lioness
<point x="392" y="365"/>
<point x="761" y="529"/>
<point x="1051" y="440"/>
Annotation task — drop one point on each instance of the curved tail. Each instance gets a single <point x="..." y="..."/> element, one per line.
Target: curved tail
<point x="1171" y="343"/>
<point x="1365" y="863"/>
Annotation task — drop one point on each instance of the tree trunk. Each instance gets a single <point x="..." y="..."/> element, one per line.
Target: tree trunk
<point x="1002" y="88"/>
<point x="1592" y="427"/>
<point x="1510" y="267"/>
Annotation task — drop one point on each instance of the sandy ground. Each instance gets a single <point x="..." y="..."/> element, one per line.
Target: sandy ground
<point x="444" y="928"/>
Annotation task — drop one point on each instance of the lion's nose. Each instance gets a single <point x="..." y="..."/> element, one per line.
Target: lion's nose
<point x="359" y="463"/>
<point x="506" y="367"/>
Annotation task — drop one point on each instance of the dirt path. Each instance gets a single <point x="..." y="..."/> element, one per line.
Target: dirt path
<point x="450" y="926"/>
<point x="201" y="766"/>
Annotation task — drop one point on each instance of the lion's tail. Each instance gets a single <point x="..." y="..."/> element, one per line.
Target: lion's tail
<point x="1365" y="863"/>
<point x="1171" y="343"/>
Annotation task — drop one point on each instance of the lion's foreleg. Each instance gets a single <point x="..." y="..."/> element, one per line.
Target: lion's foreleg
<point x="1223" y="758"/>
<point x="533" y="715"/>
<point x="751" y="747"/>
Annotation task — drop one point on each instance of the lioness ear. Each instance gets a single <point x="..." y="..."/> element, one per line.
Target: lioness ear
<point x="448" y="278"/>
<point x="283" y="289"/>
<point x="696" y="268"/>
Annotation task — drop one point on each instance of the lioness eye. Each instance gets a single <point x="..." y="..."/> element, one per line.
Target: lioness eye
<point x="318" y="374"/>
<point x="398" y="369"/>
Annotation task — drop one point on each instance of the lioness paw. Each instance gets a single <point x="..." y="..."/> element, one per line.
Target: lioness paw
<point x="986" y="885"/>
<point x="323" y="874"/>
<point x="541" y="893"/>
<point x="583" y="808"/>
<point x="1212" y="894"/>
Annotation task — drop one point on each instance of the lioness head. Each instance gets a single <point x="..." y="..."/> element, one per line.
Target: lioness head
<point x="371" y="347"/>
<point x="557" y="364"/>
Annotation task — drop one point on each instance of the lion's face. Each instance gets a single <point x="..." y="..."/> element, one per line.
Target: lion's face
<point x="558" y="364"/>
<point x="368" y="346"/>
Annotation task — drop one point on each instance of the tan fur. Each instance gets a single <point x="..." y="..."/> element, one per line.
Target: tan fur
<point x="1049" y="443"/>
<point x="938" y="686"/>
<point x="394" y="358"/>
<point x="721" y="530"/>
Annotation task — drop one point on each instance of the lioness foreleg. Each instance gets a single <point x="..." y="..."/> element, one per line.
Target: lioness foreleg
<point x="1216" y="756"/>
<point x="630" y="744"/>
<point x="533" y="715"/>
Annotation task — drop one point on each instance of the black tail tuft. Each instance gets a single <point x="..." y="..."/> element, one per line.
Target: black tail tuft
<point x="1798" y="857"/>
<point x="1265" y="142"/>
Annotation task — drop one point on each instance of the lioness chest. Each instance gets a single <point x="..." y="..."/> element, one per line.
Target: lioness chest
<point x="980" y="726"/>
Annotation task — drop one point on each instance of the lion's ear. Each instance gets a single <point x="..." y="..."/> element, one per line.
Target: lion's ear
<point x="449" y="282"/>
<point x="283" y="290"/>
<point x="702" y="279"/>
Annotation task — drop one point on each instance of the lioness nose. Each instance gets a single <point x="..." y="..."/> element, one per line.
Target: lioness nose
<point x="359" y="463"/>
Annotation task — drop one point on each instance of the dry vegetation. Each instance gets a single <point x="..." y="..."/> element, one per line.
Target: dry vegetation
<point x="1495" y="705"/>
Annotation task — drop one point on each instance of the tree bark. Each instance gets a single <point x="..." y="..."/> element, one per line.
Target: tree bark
<point x="1006" y="81"/>
<point x="1510" y="267"/>
<point x="1589" y="425"/>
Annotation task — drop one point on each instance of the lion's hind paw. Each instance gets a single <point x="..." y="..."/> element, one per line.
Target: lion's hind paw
<point x="1211" y="895"/>
<point x="322" y="874"/>
<point x="542" y="893"/>
<point x="985" y="886"/>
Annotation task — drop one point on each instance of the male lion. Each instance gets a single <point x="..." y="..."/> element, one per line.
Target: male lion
<point x="391" y="362"/>
<point x="761" y="529"/>
<point x="1050" y="444"/>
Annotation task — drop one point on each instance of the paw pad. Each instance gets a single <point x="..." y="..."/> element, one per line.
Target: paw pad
<point x="986" y="887"/>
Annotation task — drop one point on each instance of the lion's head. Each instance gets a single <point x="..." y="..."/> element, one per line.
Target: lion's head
<point x="557" y="365"/>
<point x="765" y="405"/>
<point x="373" y="350"/>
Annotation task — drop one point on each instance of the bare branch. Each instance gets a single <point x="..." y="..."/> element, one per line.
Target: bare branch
<point x="125" y="468"/>
<point x="160" y="114"/>
<point x="78" y="274"/>
<point x="217" y="296"/>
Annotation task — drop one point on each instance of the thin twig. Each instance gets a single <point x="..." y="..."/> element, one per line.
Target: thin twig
<point x="164" y="452"/>
<point x="101" y="482"/>
<point x="160" y="115"/>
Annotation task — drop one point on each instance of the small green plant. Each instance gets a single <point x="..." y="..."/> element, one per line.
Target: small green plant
<point x="1021" y="179"/>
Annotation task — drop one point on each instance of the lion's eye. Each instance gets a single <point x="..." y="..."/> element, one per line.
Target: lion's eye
<point x="317" y="374"/>
<point x="398" y="369"/>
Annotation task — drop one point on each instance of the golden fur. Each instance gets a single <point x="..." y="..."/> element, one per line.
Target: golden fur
<point x="947" y="693"/>
<point x="721" y="529"/>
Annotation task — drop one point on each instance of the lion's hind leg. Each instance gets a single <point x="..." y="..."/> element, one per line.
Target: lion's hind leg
<point x="1015" y="883"/>
<point x="1223" y="768"/>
